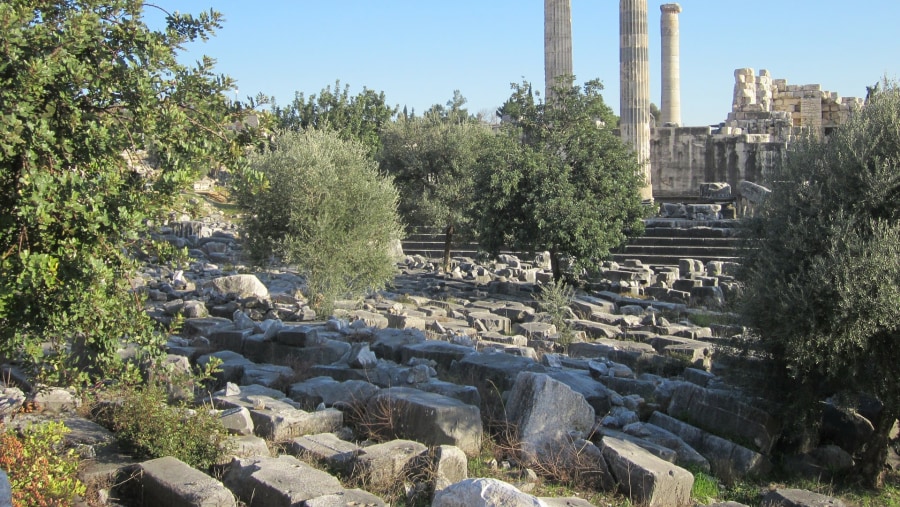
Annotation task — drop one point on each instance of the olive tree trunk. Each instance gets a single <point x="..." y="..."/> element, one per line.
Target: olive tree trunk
<point x="448" y="241"/>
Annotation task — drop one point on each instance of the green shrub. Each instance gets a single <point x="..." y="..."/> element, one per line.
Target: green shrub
<point x="40" y="473"/>
<point x="823" y="281"/>
<point x="148" y="427"/>
<point x="554" y="299"/>
<point x="167" y="254"/>
<point x="84" y="82"/>
<point x="318" y="202"/>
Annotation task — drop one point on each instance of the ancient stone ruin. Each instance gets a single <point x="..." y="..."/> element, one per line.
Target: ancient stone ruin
<point x="402" y="389"/>
<point x="766" y="114"/>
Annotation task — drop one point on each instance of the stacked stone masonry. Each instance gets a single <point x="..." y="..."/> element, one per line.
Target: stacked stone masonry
<point x="766" y="115"/>
<point x="804" y="106"/>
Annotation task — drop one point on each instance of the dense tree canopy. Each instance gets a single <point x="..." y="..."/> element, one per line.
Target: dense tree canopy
<point x="432" y="159"/>
<point x="85" y="86"/>
<point x="359" y="117"/>
<point x="558" y="178"/>
<point x="823" y="282"/>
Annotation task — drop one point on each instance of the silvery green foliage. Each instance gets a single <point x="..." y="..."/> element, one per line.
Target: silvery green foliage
<point x="319" y="203"/>
<point x="823" y="279"/>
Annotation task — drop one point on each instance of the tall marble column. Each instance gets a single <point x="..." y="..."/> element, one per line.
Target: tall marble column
<point x="634" y="96"/>
<point x="557" y="42"/>
<point x="670" y="106"/>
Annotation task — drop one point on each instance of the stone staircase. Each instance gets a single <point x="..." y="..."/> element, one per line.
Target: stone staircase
<point x="429" y="243"/>
<point x="666" y="240"/>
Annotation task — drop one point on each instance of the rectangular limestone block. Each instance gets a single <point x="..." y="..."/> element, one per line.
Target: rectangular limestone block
<point x="382" y="465"/>
<point x="646" y="479"/>
<point x="169" y="481"/>
<point x="326" y="448"/>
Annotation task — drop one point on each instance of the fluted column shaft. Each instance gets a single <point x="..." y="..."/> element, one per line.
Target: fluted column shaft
<point x="557" y="42"/>
<point x="634" y="97"/>
<point x="670" y="106"/>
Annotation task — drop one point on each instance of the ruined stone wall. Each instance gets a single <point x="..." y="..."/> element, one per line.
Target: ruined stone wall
<point x="684" y="157"/>
<point x="805" y="106"/>
<point x="766" y="115"/>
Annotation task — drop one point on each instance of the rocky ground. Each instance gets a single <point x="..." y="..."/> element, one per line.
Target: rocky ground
<point x="407" y="386"/>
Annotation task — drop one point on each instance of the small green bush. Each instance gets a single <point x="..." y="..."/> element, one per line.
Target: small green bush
<point x="148" y="427"/>
<point x="554" y="299"/>
<point x="40" y="473"/>
<point x="318" y="202"/>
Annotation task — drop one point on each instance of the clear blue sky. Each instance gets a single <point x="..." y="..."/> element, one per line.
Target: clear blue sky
<point x="419" y="51"/>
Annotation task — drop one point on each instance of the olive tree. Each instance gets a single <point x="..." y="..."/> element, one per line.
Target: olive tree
<point x="432" y="159"/>
<point x="823" y="277"/>
<point x="318" y="202"/>
<point x="86" y="86"/>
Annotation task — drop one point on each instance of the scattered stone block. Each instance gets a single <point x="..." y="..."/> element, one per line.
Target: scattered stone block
<point x="278" y="420"/>
<point x="799" y="498"/>
<point x="237" y="420"/>
<point x="490" y="321"/>
<point x="232" y="367"/>
<point x="318" y="390"/>
<point x="726" y="458"/>
<point x="326" y="448"/>
<point x="685" y="455"/>
<point x="463" y="393"/>
<point x="492" y="372"/>
<point x="388" y="342"/>
<point x="723" y="414"/>
<point x="5" y="489"/>
<point x="265" y="374"/>
<point x="246" y="446"/>
<point x="371" y="319"/>
<point x="169" y="481"/>
<point x="441" y="352"/>
<point x="566" y="502"/>
<point x="544" y="410"/>
<point x="515" y="313"/>
<point x="284" y="481"/>
<point x="194" y="327"/>
<point x="661" y="452"/>
<point x="383" y="465"/>
<point x="328" y="352"/>
<point x="484" y="493"/>
<point x="450" y="466"/>
<point x="429" y="418"/>
<point x="347" y="498"/>
<point x="595" y="393"/>
<point x="104" y="462"/>
<point x="406" y="321"/>
<point x="299" y="336"/>
<point x="241" y="285"/>
<point x="536" y="330"/>
<point x="643" y="477"/>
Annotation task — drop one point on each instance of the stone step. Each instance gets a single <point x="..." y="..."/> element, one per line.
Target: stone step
<point x="687" y="240"/>
<point x="662" y="259"/>
<point x="685" y="251"/>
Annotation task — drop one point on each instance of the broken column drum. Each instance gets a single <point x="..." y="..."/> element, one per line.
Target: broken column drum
<point x="557" y="42"/>
<point x="670" y="105"/>
<point x="634" y="97"/>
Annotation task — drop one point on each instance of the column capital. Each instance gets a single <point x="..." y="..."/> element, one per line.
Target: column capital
<point x="670" y="8"/>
